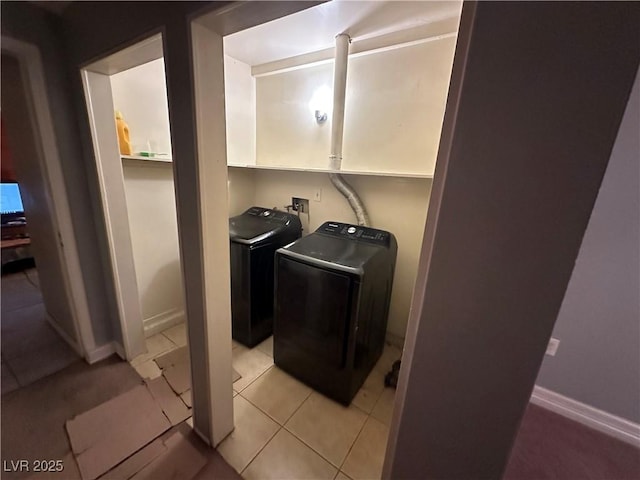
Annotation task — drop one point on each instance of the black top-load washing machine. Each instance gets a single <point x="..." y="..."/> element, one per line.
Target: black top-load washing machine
<point x="332" y="295"/>
<point x="255" y="235"/>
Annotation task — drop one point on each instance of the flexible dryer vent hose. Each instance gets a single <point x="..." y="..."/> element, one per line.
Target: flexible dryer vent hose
<point x="352" y="197"/>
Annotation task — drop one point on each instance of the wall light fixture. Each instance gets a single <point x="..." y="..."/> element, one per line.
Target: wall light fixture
<point x="321" y="117"/>
<point x="320" y="104"/>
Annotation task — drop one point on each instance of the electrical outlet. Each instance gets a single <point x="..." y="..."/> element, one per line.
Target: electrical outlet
<point x="552" y="348"/>
<point x="300" y="204"/>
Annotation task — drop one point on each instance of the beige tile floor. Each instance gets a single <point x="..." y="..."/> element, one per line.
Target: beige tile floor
<point x="30" y="348"/>
<point x="157" y="345"/>
<point x="284" y="429"/>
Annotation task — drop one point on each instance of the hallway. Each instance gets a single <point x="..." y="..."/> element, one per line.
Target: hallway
<point x="31" y="348"/>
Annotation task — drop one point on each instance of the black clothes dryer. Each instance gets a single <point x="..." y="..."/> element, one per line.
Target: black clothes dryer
<point x="332" y="295"/>
<point x="255" y="235"/>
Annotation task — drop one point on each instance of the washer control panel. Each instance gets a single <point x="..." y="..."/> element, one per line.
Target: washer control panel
<point x="355" y="232"/>
<point x="269" y="214"/>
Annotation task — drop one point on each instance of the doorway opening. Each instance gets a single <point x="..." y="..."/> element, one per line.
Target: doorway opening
<point x="40" y="331"/>
<point x="276" y="78"/>
<point x="128" y="112"/>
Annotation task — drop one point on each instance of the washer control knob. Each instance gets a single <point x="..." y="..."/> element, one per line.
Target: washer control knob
<point x="351" y="230"/>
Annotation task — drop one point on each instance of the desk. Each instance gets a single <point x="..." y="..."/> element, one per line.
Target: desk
<point x="14" y="230"/>
<point x="15" y="249"/>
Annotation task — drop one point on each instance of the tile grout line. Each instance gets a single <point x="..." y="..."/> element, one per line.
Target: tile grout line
<point x="354" y="442"/>
<point x="312" y="449"/>
<point x="267" y="413"/>
<point x="251" y="382"/>
<point x="261" y="449"/>
<point x="260" y="410"/>
<point x="165" y="336"/>
<point x="368" y="415"/>
<point x="305" y="443"/>
<point x="175" y="347"/>
<point x="281" y="427"/>
<point x="374" y="403"/>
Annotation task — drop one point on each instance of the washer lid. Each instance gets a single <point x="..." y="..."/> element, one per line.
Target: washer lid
<point x="257" y="224"/>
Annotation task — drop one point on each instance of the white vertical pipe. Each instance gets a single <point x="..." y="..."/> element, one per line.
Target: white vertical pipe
<point x="339" y="95"/>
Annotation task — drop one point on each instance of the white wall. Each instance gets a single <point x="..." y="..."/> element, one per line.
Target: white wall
<point x="286" y="130"/>
<point x="140" y="93"/>
<point x="240" y="111"/>
<point x="394" y="110"/>
<point x="598" y="362"/>
<point x="395" y="106"/>
<point x="242" y="186"/>
<point x="398" y="205"/>
<point x="151" y="209"/>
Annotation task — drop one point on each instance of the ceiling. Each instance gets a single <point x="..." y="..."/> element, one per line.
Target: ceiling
<point x="314" y="29"/>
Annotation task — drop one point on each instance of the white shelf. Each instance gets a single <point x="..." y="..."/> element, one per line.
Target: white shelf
<point x="343" y="172"/>
<point x="161" y="159"/>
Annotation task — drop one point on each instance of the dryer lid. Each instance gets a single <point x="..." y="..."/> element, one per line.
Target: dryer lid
<point x="332" y="252"/>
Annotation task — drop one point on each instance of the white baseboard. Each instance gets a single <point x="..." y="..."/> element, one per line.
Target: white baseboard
<point x="394" y="340"/>
<point x="604" y="422"/>
<point x="72" y="343"/>
<point x="100" y="353"/>
<point x="91" y="356"/>
<point x="119" y="350"/>
<point x="162" y="321"/>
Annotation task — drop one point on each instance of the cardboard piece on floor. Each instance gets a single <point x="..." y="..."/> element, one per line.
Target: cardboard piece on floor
<point x="186" y="398"/>
<point x="181" y="461"/>
<point x="107" y="434"/>
<point x="174" y="357"/>
<point x="181" y="356"/>
<point x="179" y="377"/>
<point x="136" y="462"/>
<point x="174" y="408"/>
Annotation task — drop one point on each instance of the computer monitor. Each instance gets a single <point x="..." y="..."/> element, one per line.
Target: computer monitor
<point x="10" y="202"/>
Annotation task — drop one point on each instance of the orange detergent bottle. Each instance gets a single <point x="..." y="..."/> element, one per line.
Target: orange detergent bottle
<point x="123" y="135"/>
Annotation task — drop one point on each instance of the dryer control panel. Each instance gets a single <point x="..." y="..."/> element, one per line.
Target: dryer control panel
<point x="356" y="232"/>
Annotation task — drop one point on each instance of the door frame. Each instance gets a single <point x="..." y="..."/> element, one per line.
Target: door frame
<point x="99" y="103"/>
<point x="33" y="77"/>
<point x="206" y="32"/>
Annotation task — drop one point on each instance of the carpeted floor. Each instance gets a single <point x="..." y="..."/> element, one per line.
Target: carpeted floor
<point x="33" y="417"/>
<point x="550" y="446"/>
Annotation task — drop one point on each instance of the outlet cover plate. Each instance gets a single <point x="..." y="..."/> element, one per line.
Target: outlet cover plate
<point x="552" y="348"/>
